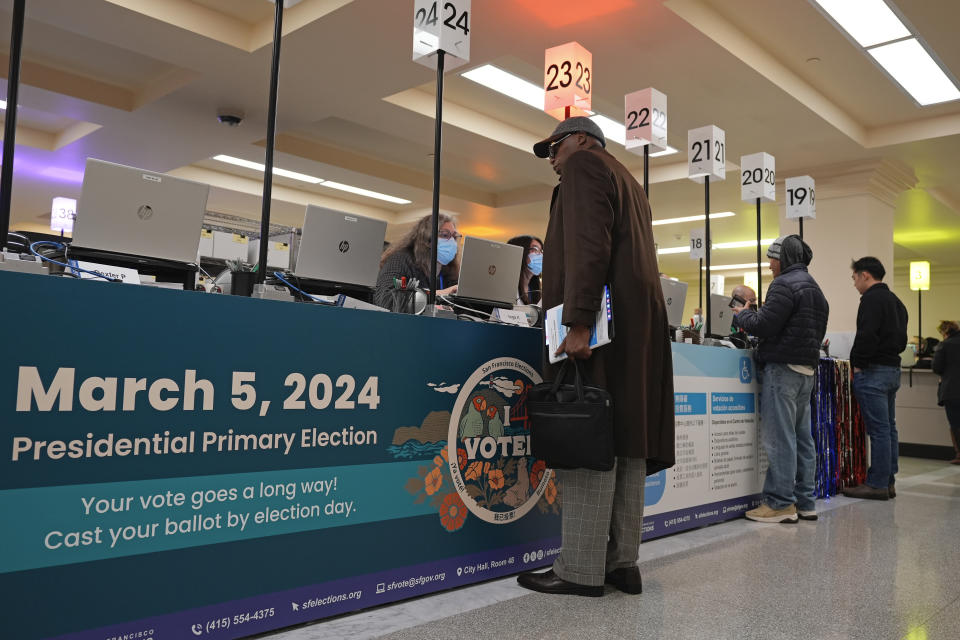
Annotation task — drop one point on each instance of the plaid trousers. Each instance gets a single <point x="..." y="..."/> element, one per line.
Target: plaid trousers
<point x="602" y="519"/>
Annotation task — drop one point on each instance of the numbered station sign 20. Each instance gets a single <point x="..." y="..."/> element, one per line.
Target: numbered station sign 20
<point x="441" y="24"/>
<point x="568" y="81"/>
<point x="645" y="118"/>
<point x="801" y="198"/>
<point x="758" y="177"/>
<point x="706" y="153"/>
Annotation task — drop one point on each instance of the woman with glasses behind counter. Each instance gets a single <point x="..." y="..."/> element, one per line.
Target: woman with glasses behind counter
<point x="531" y="266"/>
<point x="410" y="258"/>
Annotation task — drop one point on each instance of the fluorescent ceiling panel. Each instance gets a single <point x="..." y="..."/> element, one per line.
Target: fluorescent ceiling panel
<point x="531" y="94"/>
<point x="256" y="166"/>
<point x="731" y="267"/>
<point x="869" y="22"/>
<point x="363" y="192"/>
<point x="713" y="216"/>
<point x="3" y="104"/>
<point x="717" y="245"/>
<point x="916" y="71"/>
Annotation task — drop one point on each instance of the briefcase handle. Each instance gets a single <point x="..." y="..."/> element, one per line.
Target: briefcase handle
<point x="561" y="376"/>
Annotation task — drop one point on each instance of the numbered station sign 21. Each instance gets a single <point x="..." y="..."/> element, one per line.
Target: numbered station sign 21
<point x="758" y="177"/>
<point x="706" y="153"/>
<point x="567" y="81"/>
<point x="441" y="24"/>
<point x="801" y="198"/>
<point x="645" y="118"/>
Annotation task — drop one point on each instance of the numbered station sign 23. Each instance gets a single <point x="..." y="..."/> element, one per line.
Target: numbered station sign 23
<point x="441" y="24"/>
<point x="567" y="81"/>
<point x="801" y="198"/>
<point x="706" y="153"/>
<point x="645" y="119"/>
<point x="758" y="177"/>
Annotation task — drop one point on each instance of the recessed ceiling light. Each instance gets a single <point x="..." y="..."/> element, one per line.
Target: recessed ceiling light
<point x="256" y="166"/>
<point x="869" y="22"/>
<point x="531" y="94"/>
<point x="721" y="214"/>
<point x="731" y="267"/>
<point x="916" y="71"/>
<point x="363" y="192"/>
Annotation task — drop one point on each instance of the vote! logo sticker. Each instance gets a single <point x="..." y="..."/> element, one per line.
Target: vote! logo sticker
<point x="488" y="445"/>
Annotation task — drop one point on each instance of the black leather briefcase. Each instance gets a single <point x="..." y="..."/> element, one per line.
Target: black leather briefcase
<point x="571" y="425"/>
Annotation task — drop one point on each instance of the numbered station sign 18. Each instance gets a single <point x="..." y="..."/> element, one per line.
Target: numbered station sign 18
<point x="758" y="177"/>
<point x="645" y="118"/>
<point x="801" y="198"/>
<point x="706" y="153"/>
<point x="698" y="244"/>
<point x="441" y="24"/>
<point x="568" y="81"/>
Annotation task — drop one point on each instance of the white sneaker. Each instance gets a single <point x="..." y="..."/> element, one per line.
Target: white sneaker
<point x="807" y="515"/>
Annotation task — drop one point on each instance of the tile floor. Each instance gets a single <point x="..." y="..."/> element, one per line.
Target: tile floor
<point x="871" y="570"/>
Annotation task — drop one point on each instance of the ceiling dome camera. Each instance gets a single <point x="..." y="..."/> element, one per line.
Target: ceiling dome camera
<point x="230" y="117"/>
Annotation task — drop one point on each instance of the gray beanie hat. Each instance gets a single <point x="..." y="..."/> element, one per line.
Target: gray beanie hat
<point x="774" y="250"/>
<point x="570" y="125"/>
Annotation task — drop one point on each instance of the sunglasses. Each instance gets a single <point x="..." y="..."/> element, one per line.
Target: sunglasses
<point x="552" y="149"/>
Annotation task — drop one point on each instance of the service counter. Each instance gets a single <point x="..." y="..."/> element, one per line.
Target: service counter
<point x="922" y="425"/>
<point x="179" y="464"/>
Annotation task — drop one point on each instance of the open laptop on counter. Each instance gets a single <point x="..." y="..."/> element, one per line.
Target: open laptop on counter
<point x="489" y="273"/>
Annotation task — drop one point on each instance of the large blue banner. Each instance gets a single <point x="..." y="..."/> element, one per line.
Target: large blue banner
<point x="181" y="465"/>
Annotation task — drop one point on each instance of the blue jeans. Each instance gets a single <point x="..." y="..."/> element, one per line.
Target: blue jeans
<point x="787" y="437"/>
<point x="876" y="390"/>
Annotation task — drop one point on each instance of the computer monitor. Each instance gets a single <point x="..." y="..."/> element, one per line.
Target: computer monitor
<point x="340" y="247"/>
<point x="139" y="213"/>
<point x="489" y="272"/>
<point x="674" y="296"/>
<point x="721" y="315"/>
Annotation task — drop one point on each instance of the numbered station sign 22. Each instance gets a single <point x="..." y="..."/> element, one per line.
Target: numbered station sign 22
<point x="706" y="153"/>
<point x="801" y="198"/>
<point x="758" y="177"/>
<point x="441" y="24"/>
<point x="645" y="119"/>
<point x="567" y="81"/>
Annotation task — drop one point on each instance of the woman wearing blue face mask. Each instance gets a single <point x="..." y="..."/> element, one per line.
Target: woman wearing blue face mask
<point x="410" y="258"/>
<point x="528" y="290"/>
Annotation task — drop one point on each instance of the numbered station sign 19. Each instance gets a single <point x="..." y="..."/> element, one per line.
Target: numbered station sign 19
<point x="568" y="81"/>
<point x="758" y="177"/>
<point x="706" y="153"/>
<point x="441" y="24"/>
<point x="645" y="118"/>
<point x="698" y="244"/>
<point x="801" y="198"/>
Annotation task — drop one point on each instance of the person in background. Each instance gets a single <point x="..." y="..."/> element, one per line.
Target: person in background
<point x="528" y="290"/>
<point x="790" y="325"/>
<point x="742" y="295"/>
<point x="600" y="233"/>
<point x="875" y="356"/>
<point x="946" y="364"/>
<point x="748" y="295"/>
<point x="410" y="258"/>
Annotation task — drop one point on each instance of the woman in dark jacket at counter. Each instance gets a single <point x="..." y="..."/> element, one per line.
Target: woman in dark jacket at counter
<point x="946" y="363"/>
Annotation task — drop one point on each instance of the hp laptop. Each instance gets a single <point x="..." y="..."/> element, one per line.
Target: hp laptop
<point x="134" y="212"/>
<point x="489" y="273"/>
<point x="721" y="315"/>
<point x="674" y="296"/>
<point x="340" y="247"/>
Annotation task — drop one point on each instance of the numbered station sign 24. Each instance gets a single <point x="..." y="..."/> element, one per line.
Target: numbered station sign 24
<point x="441" y="24"/>
<point x="568" y="81"/>
<point x="706" y="153"/>
<point x="801" y="198"/>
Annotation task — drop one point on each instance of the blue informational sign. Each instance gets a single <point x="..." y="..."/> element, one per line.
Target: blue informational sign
<point x="179" y="465"/>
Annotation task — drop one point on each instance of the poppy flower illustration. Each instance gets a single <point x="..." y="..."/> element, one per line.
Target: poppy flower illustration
<point x="536" y="474"/>
<point x="433" y="481"/>
<point x="461" y="458"/>
<point x="551" y="493"/>
<point x="496" y="478"/>
<point x="452" y="512"/>
<point x="441" y="459"/>
<point x="474" y="471"/>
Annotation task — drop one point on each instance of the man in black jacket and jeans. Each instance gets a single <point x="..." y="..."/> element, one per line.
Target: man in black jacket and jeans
<point x="875" y="356"/>
<point x="790" y="325"/>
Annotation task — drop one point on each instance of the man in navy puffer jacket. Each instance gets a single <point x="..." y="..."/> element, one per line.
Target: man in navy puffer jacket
<point x="791" y="325"/>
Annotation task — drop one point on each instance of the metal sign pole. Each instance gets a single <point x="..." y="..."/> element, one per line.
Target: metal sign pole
<point x="438" y="128"/>
<point x="706" y="248"/>
<point x="271" y="135"/>
<point x="10" y="126"/>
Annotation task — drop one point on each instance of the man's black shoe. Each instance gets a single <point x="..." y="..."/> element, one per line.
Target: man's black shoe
<point x="549" y="582"/>
<point x="627" y="579"/>
<point x="892" y="490"/>
<point x="866" y="492"/>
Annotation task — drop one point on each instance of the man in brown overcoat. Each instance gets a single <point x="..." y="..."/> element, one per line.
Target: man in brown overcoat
<point x="600" y="233"/>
